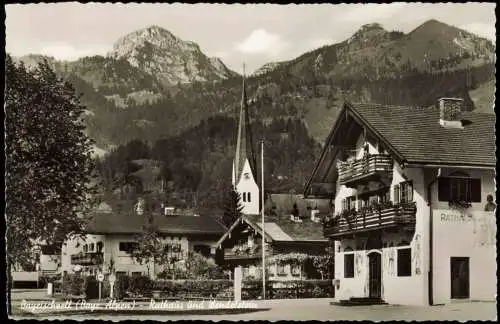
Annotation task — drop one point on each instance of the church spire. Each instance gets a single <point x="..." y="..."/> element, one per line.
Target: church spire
<point x="244" y="143"/>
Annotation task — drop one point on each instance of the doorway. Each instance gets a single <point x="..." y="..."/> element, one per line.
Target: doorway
<point x="460" y="277"/>
<point x="375" y="275"/>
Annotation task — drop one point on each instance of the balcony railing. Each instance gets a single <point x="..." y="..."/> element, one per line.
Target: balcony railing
<point x="370" y="219"/>
<point x="87" y="258"/>
<point x="242" y="252"/>
<point x="361" y="169"/>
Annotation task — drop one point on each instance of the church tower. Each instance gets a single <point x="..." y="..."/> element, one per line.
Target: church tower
<point x="244" y="163"/>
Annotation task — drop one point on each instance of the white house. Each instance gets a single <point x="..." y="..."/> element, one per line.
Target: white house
<point x="244" y="175"/>
<point x="112" y="235"/>
<point x="411" y="186"/>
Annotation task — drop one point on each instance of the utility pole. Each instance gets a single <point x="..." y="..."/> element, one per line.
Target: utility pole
<point x="262" y="226"/>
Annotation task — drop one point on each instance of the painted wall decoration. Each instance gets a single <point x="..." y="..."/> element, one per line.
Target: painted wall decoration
<point x="484" y="231"/>
<point x="359" y="263"/>
<point x="416" y="254"/>
<point x="390" y="267"/>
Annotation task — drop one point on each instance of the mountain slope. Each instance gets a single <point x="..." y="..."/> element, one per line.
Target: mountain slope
<point x="138" y="90"/>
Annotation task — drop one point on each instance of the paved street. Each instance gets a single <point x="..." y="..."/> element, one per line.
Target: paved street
<point x="319" y="309"/>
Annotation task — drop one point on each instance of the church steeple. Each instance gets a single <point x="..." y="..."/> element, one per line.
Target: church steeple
<point x="244" y="141"/>
<point x="245" y="164"/>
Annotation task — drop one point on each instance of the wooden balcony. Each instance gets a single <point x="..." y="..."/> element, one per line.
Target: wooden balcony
<point x="370" y="220"/>
<point x="373" y="168"/>
<point x="87" y="258"/>
<point x="243" y="252"/>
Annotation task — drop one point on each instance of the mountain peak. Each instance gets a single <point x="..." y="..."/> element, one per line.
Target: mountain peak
<point x="159" y="52"/>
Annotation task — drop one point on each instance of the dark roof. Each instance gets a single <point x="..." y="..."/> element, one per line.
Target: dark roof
<point x="305" y="231"/>
<point x="415" y="133"/>
<point x="132" y="223"/>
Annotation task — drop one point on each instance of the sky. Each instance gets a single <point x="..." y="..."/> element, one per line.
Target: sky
<point x="241" y="33"/>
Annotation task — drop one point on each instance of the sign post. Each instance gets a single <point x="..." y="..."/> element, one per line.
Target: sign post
<point x="100" y="277"/>
<point x="237" y="283"/>
<point x="112" y="280"/>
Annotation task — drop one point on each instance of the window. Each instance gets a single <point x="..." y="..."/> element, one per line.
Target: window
<point x="403" y="192"/>
<point x="349" y="203"/>
<point x="85" y="248"/>
<point x="128" y="246"/>
<point x="281" y="269"/>
<point x="247" y="175"/>
<point x="296" y="270"/>
<point x="349" y="265"/>
<point x="91" y="247"/>
<point x="248" y="197"/>
<point x="99" y="247"/>
<point x="406" y="191"/>
<point x="121" y="273"/>
<point x="271" y="270"/>
<point x="404" y="262"/>
<point x="244" y="196"/>
<point x="459" y="189"/>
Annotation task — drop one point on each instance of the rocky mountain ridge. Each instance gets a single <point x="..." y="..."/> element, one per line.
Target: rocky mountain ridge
<point x="158" y="52"/>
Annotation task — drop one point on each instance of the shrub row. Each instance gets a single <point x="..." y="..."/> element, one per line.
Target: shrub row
<point x="142" y="286"/>
<point x="292" y="289"/>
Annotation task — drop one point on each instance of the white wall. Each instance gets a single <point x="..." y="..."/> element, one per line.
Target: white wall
<point x="111" y="250"/>
<point x="49" y="262"/>
<point x="395" y="290"/>
<point x="248" y="186"/>
<point x="465" y="234"/>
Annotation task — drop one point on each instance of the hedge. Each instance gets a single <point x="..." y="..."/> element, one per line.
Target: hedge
<point x="293" y="289"/>
<point x="142" y="286"/>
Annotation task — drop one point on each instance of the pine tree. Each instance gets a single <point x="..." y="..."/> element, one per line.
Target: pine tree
<point x="232" y="207"/>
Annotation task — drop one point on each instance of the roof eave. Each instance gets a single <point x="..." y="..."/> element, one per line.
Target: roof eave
<point x="325" y="148"/>
<point x="424" y="164"/>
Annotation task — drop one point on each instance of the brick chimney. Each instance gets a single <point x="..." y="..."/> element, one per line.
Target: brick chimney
<point x="450" y="112"/>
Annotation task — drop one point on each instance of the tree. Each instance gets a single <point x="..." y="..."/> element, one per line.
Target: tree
<point x="150" y="247"/>
<point x="324" y="264"/>
<point x="232" y="207"/>
<point x="199" y="267"/>
<point x="48" y="161"/>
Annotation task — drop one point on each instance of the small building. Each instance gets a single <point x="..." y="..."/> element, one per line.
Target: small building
<point x="112" y="236"/>
<point x="241" y="245"/>
<point x="411" y="185"/>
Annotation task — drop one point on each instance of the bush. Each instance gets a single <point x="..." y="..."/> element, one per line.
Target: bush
<point x="45" y="279"/>
<point x="288" y="289"/>
<point x="73" y="285"/>
<point x="91" y="287"/>
<point x="194" y="288"/>
<point x="121" y="286"/>
<point x="140" y="285"/>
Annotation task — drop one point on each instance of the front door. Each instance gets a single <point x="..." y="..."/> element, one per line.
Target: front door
<point x="459" y="271"/>
<point x="375" y="275"/>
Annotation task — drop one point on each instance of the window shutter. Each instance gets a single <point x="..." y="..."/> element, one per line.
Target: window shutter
<point x="444" y="192"/>
<point x="396" y="194"/>
<point x="410" y="191"/>
<point x="475" y="190"/>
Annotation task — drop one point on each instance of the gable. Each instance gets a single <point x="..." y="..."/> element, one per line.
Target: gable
<point x="247" y="176"/>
